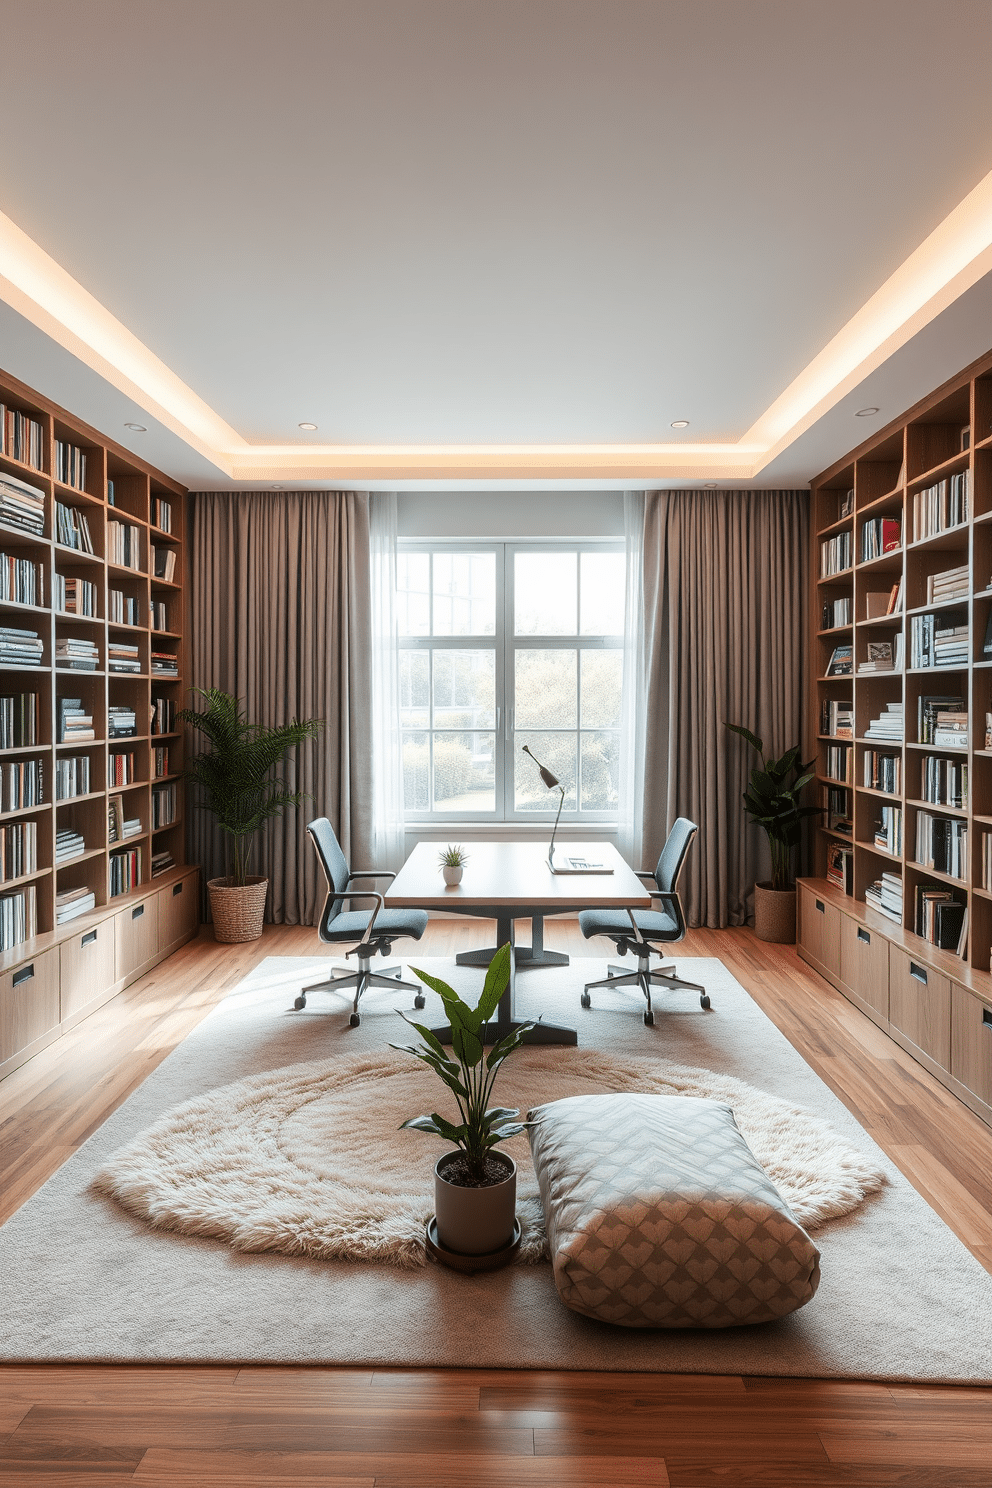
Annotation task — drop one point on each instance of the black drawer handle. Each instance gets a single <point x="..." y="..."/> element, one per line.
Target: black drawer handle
<point x="918" y="973"/>
<point x="24" y="975"/>
<point x="89" y="938"/>
<point x="987" y="1017"/>
<point x="176" y="889"/>
<point x="137" y="913"/>
<point x="819" y="905"/>
<point x="863" y="935"/>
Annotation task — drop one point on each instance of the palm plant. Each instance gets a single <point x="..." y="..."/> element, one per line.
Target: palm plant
<point x="772" y="800"/>
<point x="234" y="772"/>
<point x="468" y="1075"/>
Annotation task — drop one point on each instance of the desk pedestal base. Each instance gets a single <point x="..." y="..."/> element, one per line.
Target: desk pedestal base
<point x="524" y="956"/>
<point x="506" y="1022"/>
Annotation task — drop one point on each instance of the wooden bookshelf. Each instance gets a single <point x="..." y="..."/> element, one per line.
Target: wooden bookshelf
<point x="928" y="446"/>
<point x="134" y="618"/>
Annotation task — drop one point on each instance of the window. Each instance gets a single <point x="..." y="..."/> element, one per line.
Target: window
<point x="506" y="644"/>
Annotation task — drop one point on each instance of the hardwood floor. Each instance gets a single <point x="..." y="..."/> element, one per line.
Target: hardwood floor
<point x="98" y="1427"/>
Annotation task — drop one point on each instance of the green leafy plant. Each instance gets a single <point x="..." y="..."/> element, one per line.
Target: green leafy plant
<point x="773" y="801"/>
<point x="452" y="857"/>
<point x="235" y="772"/>
<point x="471" y="1073"/>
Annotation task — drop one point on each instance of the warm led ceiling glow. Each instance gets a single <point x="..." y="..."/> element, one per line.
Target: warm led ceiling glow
<point x="956" y="255"/>
<point x="137" y="428"/>
<point x="866" y="413"/>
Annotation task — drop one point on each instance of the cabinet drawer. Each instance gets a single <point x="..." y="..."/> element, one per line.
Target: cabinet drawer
<point x="178" y="912"/>
<point x="29" y="1003"/>
<point x="864" y="964"/>
<point x="136" y="932"/>
<point x="819" y="929"/>
<point x="971" y="1043"/>
<point x="87" y="967"/>
<point x="920" y="1005"/>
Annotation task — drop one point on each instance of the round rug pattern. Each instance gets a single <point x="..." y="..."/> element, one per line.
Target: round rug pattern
<point x="307" y="1160"/>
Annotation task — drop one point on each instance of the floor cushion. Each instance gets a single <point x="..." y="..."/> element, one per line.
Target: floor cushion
<point x="659" y="1216"/>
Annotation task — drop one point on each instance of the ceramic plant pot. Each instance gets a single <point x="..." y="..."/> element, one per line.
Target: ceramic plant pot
<point x="775" y="914"/>
<point x="237" y="910"/>
<point x="475" y="1221"/>
<point x="452" y="875"/>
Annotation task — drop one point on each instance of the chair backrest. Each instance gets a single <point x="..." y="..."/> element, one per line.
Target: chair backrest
<point x="334" y="864"/>
<point x="674" y="853"/>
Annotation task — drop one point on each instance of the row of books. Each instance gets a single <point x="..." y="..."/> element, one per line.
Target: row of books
<point x="124" y="545"/>
<point x="74" y="596"/>
<point x="71" y="903"/>
<point x="888" y="725"/>
<point x="945" y="782"/>
<point x="21" y="437"/>
<point x="119" y="826"/>
<point x="939" y="640"/>
<point x="18" y="917"/>
<point x="70" y="464"/>
<point x="18" y="850"/>
<point x="120" y="769"/>
<point x="164" y="806"/>
<point x="882" y="602"/>
<point x="882" y="656"/>
<point x="841" y="663"/>
<point x="122" y="657"/>
<point x="69" y="844"/>
<point x="162" y="514"/>
<point x="883" y="772"/>
<point x="836" y="612"/>
<point x="22" y="581"/>
<point x="836" y="803"/>
<point x="940" y="918"/>
<point x="986" y="867"/>
<point x="836" y="718"/>
<point x="941" y="506"/>
<point x="21" y="506"/>
<point x="164" y="564"/>
<point x="76" y="654"/>
<point x="19" y="720"/>
<point x="163" y="719"/>
<point x="880" y="535"/>
<point x="72" y="529"/>
<point x="840" y="865"/>
<point x="888" y="830"/>
<point x="942" y="843"/>
<point x="953" y="583"/>
<point x="942" y="721"/>
<point x="72" y="776"/>
<point x="20" y="648"/>
<point x="164" y="664"/>
<point x="835" y="555"/>
<point x="160" y="761"/>
<point x="125" y="871"/>
<point x="839" y="761"/>
<point x="122" y="609"/>
<point x="75" y="725"/>
<point x="160" y="618"/>
<point x="885" y="896"/>
<point x="22" y="784"/>
<point x="122" y="721"/>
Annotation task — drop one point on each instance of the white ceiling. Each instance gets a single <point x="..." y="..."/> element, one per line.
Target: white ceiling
<point x="490" y="222"/>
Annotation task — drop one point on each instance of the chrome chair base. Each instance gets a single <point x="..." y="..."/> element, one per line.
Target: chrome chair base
<point x="646" y="976"/>
<point x="361" y="980"/>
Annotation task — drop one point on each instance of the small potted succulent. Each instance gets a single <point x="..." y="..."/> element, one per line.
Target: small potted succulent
<point x="475" y="1187"/>
<point x="452" y="861"/>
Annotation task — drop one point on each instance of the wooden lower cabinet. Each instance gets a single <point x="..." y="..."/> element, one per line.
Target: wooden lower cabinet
<point x="137" y="937"/>
<point x="87" y="965"/>
<point x="819" y="930"/>
<point x="29" y="1005"/>
<point x="971" y="1043"/>
<point x="864" y="965"/>
<point x="920" y="1005"/>
<point x="178" y="913"/>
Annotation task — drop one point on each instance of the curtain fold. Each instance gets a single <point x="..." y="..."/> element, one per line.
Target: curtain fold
<point x="724" y="642"/>
<point x="281" y="617"/>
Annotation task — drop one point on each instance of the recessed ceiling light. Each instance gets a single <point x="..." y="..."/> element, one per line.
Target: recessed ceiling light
<point x="866" y="413"/>
<point x="711" y="485"/>
<point x="138" y="428"/>
<point x="680" y="424"/>
<point x="307" y="426"/>
<point x="277" y="488"/>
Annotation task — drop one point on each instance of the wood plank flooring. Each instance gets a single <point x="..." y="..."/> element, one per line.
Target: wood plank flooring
<point x="264" y="1427"/>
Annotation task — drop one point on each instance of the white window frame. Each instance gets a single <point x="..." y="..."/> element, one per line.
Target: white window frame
<point x="505" y="645"/>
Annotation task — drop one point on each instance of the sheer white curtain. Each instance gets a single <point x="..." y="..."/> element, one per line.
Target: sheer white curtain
<point x="387" y="748"/>
<point x="631" y="813"/>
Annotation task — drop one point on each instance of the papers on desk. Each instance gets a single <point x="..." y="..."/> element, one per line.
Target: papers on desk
<point x="578" y="864"/>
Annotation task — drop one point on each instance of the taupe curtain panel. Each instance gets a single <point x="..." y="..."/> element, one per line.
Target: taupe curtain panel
<point x="281" y="616"/>
<point x="725" y="642"/>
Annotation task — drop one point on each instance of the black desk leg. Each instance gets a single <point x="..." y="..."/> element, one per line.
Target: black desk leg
<point x="524" y="956"/>
<point x="541" y="1033"/>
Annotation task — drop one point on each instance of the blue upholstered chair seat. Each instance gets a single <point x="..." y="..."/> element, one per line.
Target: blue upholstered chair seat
<point x="615" y="922"/>
<point x="391" y="922"/>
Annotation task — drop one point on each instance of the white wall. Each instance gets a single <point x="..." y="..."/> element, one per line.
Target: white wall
<point x="511" y="514"/>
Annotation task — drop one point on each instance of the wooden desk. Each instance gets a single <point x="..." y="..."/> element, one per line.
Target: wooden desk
<point x="511" y="880"/>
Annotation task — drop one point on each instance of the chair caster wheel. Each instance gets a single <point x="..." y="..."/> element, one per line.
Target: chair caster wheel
<point x="300" y="1002"/>
<point x="354" y="1020"/>
<point x="419" y="1001"/>
<point x="704" y="1001"/>
<point x="649" y="1019"/>
<point x="586" y="1000"/>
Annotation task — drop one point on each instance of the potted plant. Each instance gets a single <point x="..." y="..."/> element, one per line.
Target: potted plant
<point x="234" y="775"/>
<point x="452" y="861"/>
<point x="475" y="1187"/>
<point x="772" y="800"/>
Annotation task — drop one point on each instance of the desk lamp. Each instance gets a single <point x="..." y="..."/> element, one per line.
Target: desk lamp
<point x="551" y="781"/>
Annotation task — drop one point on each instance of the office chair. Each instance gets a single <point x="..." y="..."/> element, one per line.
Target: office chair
<point x="375" y="931"/>
<point x="641" y="931"/>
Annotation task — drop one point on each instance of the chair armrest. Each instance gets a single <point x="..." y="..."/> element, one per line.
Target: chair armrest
<point x="355" y="894"/>
<point x="671" y="898"/>
<point x="370" y="873"/>
<point x="638" y="873"/>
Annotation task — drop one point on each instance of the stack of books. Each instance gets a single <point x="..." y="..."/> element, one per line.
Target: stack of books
<point x="164" y="805"/>
<point x="164" y="560"/>
<point x="164" y="664"/>
<point x="839" y="758"/>
<point x="938" y="641"/>
<point x="75" y="724"/>
<point x="885" y="895"/>
<point x="121" y="608"/>
<point x="20" y="436"/>
<point x="72" y="529"/>
<point x="121" y="722"/>
<point x="68" y="845"/>
<point x="945" y="782"/>
<point x="120" y="769"/>
<point x="161" y="863"/>
<point x="125" y="871"/>
<point x="124" y="545"/>
<point x="75" y="654"/>
<point x="940" y="918"/>
<point x="18" y="850"/>
<point x="122" y="658"/>
<point x="74" y="596"/>
<point x="880" y="535"/>
<point x="162" y="514"/>
<point x="22" y="784"/>
<point x="840" y="865"/>
<point x="18" y="917"/>
<point x="132" y="826"/>
<point x="942" y="721"/>
<point x="881" y="656"/>
<point x="21" y="580"/>
<point x="883" y="772"/>
<point x="941" y="506"/>
<point x="72" y="903"/>
<point x="836" y="612"/>
<point x="888" y="831"/>
<point x="21" y="506"/>
<point x="70" y="464"/>
<point x="941" y="844"/>
<point x="888" y="725"/>
<point x="20" y="648"/>
<point x="836" y="719"/>
<point x="19" y="721"/>
<point x="951" y="584"/>
<point x="72" y="776"/>
<point x="163" y="720"/>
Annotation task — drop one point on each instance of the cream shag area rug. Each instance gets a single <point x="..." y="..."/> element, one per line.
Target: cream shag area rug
<point x="307" y="1160"/>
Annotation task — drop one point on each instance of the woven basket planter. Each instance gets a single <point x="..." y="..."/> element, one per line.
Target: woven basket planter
<point x="237" y="910"/>
<point x="775" y="914"/>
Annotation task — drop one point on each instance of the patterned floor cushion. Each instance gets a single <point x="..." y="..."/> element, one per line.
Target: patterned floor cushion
<point x="659" y="1216"/>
